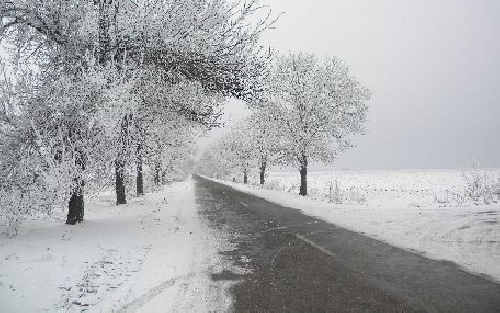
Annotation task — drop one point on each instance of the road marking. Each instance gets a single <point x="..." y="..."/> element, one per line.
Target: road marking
<point x="315" y="245"/>
<point x="310" y="242"/>
<point x="274" y="228"/>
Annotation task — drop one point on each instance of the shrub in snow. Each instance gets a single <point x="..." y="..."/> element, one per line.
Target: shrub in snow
<point x="443" y="198"/>
<point x="10" y="211"/>
<point x="334" y="195"/>
<point x="353" y="196"/>
<point x="481" y="185"/>
<point x="274" y="184"/>
<point x="460" y="198"/>
<point x="293" y="188"/>
<point x="17" y="203"/>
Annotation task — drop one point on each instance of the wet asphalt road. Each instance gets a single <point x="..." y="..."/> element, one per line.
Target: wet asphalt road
<point x="302" y="264"/>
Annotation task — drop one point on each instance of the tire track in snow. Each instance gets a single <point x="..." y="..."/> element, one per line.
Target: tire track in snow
<point x="151" y="294"/>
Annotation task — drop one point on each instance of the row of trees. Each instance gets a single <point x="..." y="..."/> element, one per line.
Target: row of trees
<point x="311" y="111"/>
<point x="101" y="88"/>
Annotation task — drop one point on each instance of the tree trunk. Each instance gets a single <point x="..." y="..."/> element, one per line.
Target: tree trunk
<point x="262" y="174"/>
<point x="103" y="24"/>
<point x="76" y="203"/>
<point x="245" y="176"/>
<point x="140" y="179"/>
<point x="157" y="174"/>
<point x="76" y="206"/>
<point x="121" y="197"/>
<point x="120" y="162"/>
<point x="303" y="176"/>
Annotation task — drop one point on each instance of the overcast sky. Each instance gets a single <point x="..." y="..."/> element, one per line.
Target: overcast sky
<point x="433" y="67"/>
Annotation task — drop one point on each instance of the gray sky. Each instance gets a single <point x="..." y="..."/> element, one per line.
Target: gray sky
<point x="433" y="67"/>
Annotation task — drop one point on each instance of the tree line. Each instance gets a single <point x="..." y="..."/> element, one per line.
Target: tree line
<point x="94" y="91"/>
<point x="311" y="110"/>
<point x="100" y="94"/>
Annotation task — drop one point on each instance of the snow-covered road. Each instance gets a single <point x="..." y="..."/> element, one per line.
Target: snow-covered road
<point x="154" y="254"/>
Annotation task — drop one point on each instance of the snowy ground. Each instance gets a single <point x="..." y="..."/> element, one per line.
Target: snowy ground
<point x="150" y="255"/>
<point x="419" y="188"/>
<point x="407" y="209"/>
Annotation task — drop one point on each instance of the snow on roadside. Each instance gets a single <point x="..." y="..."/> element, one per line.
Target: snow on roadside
<point x="466" y="235"/>
<point x="154" y="254"/>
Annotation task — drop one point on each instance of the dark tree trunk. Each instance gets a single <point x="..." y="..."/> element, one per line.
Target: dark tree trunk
<point x="157" y="174"/>
<point x="121" y="197"/>
<point x="262" y="174"/>
<point x="103" y="24"/>
<point x="120" y="163"/>
<point x="140" y="179"/>
<point x="303" y="176"/>
<point x="245" y="176"/>
<point x="76" y="204"/>
<point x="76" y="207"/>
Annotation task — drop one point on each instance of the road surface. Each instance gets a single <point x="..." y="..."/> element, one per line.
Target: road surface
<point x="299" y="263"/>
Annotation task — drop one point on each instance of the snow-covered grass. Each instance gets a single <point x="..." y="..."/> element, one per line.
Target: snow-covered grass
<point x="421" y="188"/>
<point x="407" y="209"/>
<point x="154" y="254"/>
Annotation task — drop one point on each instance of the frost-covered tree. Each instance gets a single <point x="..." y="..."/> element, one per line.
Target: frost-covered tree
<point x="168" y="146"/>
<point x="321" y="106"/>
<point x="233" y="155"/>
<point x="238" y="152"/>
<point x="58" y="140"/>
<point x="262" y="136"/>
<point x="172" y="115"/>
<point x="253" y="144"/>
<point x="219" y="160"/>
<point x="213" y="163"/>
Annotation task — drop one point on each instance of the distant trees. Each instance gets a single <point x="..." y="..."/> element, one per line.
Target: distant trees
<point x="311" y="112"/>
<point x="262" y="136"/>
<point x="235" y="153"/>
<point x="251" y="144"/>
<point x="212" y="162"/>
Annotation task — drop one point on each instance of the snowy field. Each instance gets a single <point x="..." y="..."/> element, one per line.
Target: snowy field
<point x="420" y="188"/>
<point x="150" y="255"/>
<point x="423" y="211"/>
